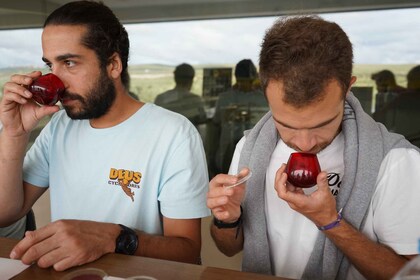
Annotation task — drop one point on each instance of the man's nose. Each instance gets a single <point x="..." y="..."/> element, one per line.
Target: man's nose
<point x="305" y="141"/>
<point x="58" y="73"/>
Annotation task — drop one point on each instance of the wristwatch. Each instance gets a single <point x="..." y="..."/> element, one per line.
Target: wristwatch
<point x="219" y="224"/>
<point x="127" y="242"/>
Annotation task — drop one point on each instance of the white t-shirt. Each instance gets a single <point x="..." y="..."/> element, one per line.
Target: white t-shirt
<point x="391" y="218"/>
<point x="156" y="154"/>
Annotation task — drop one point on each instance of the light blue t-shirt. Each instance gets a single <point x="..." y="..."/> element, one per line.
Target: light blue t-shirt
<point x="152" y="163"/>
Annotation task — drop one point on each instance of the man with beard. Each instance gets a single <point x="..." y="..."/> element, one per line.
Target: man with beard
<point x="124" y="176"/>
<point x="361" y="219"/>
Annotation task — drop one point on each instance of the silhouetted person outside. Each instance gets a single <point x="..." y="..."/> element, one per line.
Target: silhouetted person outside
<point x="238" y="109"/>
<point x="413" y="79"/>
<point x="180" y="99"/>
<point x="387" y="88"/>
<point x="402" y="114"/>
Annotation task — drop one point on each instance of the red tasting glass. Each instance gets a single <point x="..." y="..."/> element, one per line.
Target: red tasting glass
<point x="86" y="274"/>
<point x="47" y="89"/>
<point x="302" y="169"/>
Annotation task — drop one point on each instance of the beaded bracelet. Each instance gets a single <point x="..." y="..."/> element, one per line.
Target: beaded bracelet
<point x="333" y="224"/>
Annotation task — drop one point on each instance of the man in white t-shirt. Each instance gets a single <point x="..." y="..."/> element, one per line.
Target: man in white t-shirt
<point x="360" y="221"/>
<point x="124" y="176"/>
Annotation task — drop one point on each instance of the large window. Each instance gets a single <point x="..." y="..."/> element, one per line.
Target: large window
<point x="383" y="40"/>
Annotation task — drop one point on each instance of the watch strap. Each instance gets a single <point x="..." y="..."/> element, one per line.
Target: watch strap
<point x="220" y="224"/>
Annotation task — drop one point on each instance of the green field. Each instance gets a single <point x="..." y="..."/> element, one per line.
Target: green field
<point x="147" y="81"/>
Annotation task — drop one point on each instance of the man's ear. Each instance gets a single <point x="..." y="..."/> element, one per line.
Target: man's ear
<point x="114" y="67"/>
<point x="352" y="81"/>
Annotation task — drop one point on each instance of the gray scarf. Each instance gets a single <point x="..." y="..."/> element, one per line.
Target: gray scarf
<point x="366" y="144"/>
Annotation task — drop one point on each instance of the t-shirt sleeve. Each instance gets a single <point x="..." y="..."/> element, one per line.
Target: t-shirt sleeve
<point x="396" y="203"/>
<point x="185" y="181"/>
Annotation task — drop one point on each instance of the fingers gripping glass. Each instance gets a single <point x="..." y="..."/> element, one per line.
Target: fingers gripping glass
<point x="241" y="180"/>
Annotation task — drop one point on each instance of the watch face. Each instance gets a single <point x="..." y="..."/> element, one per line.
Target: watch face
<point x="130" y="244"/>
<point x="127" y="242"/>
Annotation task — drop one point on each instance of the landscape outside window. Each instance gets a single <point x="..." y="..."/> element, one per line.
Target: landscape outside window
<point x="382" y="40"/>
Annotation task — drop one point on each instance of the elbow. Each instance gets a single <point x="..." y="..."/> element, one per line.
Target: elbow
<point x="194" y="257"/>
<point x="228" y="252"/>
<point x="9" y="216"/>
<point x="6" y="221"/>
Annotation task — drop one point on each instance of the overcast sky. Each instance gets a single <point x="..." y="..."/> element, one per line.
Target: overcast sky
<point x="379" y="37"/>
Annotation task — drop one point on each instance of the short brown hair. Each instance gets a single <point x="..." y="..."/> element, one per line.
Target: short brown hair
<point x="305" y="53"/>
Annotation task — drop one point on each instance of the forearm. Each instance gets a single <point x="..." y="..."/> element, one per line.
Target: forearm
<point x="229" y="241"/>
<point x="12" y="152"/>
<point x="371" y="259"/>
<point x="180" y="249"/>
